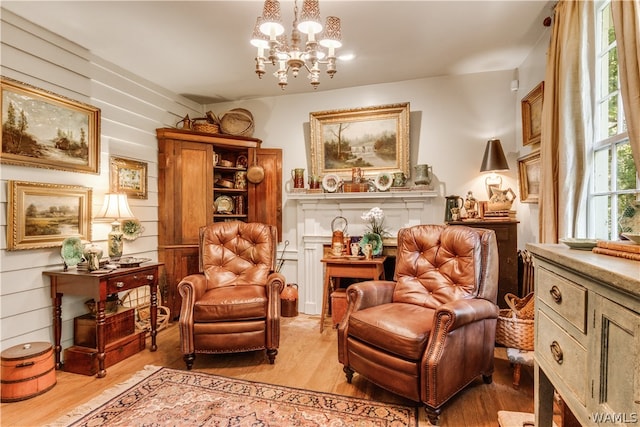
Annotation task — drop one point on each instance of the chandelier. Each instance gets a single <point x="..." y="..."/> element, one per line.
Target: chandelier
<point x="268" y="35"/>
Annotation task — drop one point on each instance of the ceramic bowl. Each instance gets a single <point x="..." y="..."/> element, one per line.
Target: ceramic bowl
<point x="634" y="237"/>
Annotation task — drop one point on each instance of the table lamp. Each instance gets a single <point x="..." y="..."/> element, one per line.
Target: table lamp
<point x="115" y="208"/>
<point x="493" y="161"/>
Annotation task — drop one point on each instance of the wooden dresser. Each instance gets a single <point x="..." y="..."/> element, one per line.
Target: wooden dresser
<point x="587" y="335"/>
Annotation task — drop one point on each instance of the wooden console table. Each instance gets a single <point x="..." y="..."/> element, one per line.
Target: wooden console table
<point x="337" y="267"/>
<point x="99" y="285"/>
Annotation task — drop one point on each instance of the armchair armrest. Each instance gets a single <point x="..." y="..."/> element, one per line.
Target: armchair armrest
<point x="190" y="288"/>
<point x="464" y="311"/>
<point x="369" y="294"/>
<point x="360" y="296"/>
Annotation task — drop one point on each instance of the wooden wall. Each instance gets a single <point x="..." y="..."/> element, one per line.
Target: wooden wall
<point x="131" y="110"/>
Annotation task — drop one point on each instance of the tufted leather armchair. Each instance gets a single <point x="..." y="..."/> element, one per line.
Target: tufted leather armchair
<point x="431" y="332"/>
<point x="233" y="305"/>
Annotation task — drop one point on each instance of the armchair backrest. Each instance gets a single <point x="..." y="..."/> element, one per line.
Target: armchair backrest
<point x="237" y="253"/>
<point x="436" y="264"/>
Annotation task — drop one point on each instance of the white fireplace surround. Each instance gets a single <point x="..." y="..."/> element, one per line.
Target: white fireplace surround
<point x="316" y="211"/>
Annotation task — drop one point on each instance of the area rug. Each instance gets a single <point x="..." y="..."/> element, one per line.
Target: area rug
<point x="171" y="397"/>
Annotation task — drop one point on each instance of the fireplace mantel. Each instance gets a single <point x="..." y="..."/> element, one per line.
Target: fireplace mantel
<point x="316" y="211"/>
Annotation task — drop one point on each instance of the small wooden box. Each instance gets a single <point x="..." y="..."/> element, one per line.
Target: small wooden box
<point x="338" y="306"/>
<point x="84" y="360"/>
<point x="28" y="370"/>
<point x="117" y="325"/>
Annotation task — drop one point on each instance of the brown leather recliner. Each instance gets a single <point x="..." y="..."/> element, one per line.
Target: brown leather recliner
<point x="233" y="305"/>
<point x="431" y="332"/>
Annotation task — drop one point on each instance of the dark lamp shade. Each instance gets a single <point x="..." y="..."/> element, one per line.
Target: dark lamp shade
<point x="494" y="159"/>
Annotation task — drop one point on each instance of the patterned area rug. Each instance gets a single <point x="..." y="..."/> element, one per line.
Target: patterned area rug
<point x="170" y="397"/>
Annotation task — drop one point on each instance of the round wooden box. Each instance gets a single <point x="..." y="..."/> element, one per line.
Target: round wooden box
<point x="27" y="371"/>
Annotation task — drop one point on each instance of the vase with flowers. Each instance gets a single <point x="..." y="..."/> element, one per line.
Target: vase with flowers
<point x="375" y="232"/>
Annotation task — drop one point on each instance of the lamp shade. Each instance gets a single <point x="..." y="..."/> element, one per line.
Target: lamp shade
<point x="494" y="159"/>
<point x="114" y="208"/>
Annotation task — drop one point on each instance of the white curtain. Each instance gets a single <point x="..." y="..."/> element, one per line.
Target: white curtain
<point x="567" y="123"/>
<point x="626" y="20"/>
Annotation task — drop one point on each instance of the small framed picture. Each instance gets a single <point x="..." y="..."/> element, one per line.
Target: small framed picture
<point x="532" y="115"/>
<point x="128" y="176"/>
<point x="529" y="173"/>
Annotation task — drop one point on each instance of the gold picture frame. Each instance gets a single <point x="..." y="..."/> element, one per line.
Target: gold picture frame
<point x="128" y="176"/>
<point x="374" y="139"/>
<point x="529" y="177"/>
<point x="532" y="115"/>
<point x="42" y="215"/>
<point x="45" y="130"/>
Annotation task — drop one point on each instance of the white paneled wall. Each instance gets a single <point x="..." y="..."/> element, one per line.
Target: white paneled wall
<point x="131" y="110"/>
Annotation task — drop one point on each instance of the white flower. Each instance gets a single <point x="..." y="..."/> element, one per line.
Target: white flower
<point x="375" y="217"/>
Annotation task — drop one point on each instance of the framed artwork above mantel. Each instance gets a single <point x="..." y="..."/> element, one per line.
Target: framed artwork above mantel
<point x="374" y="139"/>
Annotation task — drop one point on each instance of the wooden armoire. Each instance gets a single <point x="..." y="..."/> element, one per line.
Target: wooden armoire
<point x="201" y="179"/>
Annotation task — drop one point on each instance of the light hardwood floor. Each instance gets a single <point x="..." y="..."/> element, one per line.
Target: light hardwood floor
<point x="306" y="359"/>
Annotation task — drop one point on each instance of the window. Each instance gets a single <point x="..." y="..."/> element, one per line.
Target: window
<point x="614" y="196"/>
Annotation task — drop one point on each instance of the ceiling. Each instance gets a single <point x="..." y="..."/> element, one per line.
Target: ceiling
<point x="200" y="49"/>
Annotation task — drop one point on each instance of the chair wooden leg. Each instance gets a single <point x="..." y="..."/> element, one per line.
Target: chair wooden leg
<point x="433" y="415"/>
<point x="516" y="375"/>
<point x="189" y="359"/>
<point x="271" y="354"/>
<point x="349" y="373"/>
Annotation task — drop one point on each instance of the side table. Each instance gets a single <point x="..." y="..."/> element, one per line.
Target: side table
<point x="99" y="285"/>
<point x="348" y="267"/>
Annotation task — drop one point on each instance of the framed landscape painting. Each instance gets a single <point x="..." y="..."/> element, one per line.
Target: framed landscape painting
<point x="42" y="129"/>
<point x="374" y="139"/>
<point x="42" y="215"/>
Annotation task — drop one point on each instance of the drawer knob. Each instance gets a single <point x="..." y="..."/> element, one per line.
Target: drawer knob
<point x="556" y="352"/>
<point x="119" y="284"/>
<point x="150" y="277"/>
<point x="556" y="294"/>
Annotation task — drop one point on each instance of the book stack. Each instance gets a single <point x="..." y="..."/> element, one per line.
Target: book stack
<point x="502" y="215"/>
<point x="628" y="250"/>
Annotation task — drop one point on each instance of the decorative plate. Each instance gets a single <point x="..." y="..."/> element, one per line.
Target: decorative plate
<point x="241" y="161"/>
<point x="131" y="229"/>
<point x="383" y="181"/>
<point x="331" y="182"/>
<point x="629" y="221"/>
<point x="224" y="204"/>
<point x="127" y="262"/>
<point x="72" y="251"/>
<point x="375" y="240"/>
<point x="583" y="244"/>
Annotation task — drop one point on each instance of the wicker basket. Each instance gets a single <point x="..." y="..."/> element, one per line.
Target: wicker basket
<point x="237" y="121"/>
<point x="206" y="127"/>
<point x="514" y="332"/>
<point x="515" y="324"/>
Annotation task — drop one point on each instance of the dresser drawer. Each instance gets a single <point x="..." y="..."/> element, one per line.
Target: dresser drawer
<point x="564" y="297"/>
<point x="563" y="355"/>
<point x="130" y="281"/>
